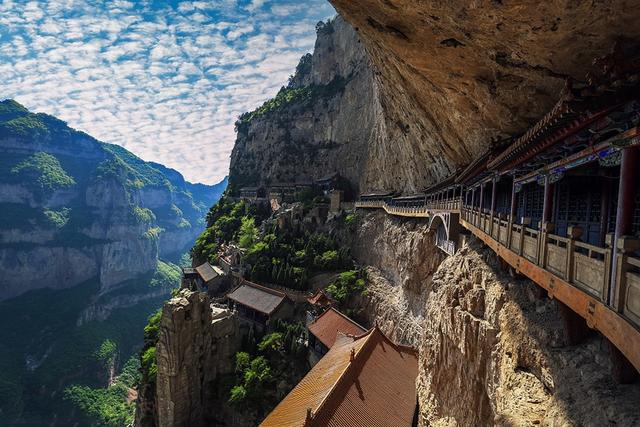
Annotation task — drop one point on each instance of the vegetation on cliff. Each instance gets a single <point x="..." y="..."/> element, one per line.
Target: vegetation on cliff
<point x="346" y="285"/>
<point x="110" y="406"/>
<point x="288" y="257"/>
<point x="44" y="172"/>
<point x="305" y="96"/>
<point x="224" y="224"/>
<point x="278" y="357"/>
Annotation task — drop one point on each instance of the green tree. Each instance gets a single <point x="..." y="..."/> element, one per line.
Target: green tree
<point x="248" y="233"/>
<point x="346" y="285"/>
<point x="106" y="353"/>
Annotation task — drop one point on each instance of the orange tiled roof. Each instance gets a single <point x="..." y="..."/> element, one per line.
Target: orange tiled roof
<point x="320" y="299"/>
<point x="365" y="381"/>
<point x="329" y="323"/>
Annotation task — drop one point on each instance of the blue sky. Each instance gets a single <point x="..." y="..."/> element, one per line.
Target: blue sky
<point x="165" y="79"/>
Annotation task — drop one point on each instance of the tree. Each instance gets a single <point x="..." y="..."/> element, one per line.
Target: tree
<point x="248" y="233"/>
<point x="106" y="353"/>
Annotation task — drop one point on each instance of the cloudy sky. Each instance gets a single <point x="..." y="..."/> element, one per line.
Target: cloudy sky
<point x="165" y="79"/>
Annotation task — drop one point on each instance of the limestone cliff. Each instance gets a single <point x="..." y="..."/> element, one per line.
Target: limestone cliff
<point x="452" y="75"/>
<point x="493" y="350"/>
<point x="323" y="120"/>
<point x="74" y="208"/>
<point x="430" y="87"/>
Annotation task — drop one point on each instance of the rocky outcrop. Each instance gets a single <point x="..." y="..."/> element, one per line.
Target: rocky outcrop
<point x="497" y="351"/>
<point x="399" y="273"/>
<point x="493" y="350"/>
<point x="452" y="75"/>
<point x="197" y="342"/>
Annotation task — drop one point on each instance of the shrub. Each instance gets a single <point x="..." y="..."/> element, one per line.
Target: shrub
<point x="152" y="233"/>
<point x="350" y="219"/>
<point x="271" y="342"/>
<point x="346" y="285"/>
<point x="143" y="215"/>
<point x="254" y="377"/>
<point x="58" y="218"/>
<point x="248" y="233"/>
<point x="106" y="353"/>
<point x="149" y="365"/>
<point x="130" y="375"/>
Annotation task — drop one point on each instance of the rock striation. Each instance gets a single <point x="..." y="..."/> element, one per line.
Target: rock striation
<point x="314" y="133"/>
<point x="494" y="350"/>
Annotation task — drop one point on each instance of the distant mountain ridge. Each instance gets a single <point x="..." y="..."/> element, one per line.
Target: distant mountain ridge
<point x="73" y="208"/>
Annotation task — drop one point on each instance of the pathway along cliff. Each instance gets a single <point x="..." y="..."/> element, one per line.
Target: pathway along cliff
<point x="442" y="82"/>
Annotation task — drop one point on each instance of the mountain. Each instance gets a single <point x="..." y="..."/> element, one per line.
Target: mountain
<point x="90" y="239"/>
<point x="75" y="208"/>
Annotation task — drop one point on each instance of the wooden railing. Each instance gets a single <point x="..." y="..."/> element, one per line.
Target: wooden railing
<point x="586" y="266"/>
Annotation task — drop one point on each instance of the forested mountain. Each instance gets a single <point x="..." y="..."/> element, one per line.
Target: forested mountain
<point x="90" y="239"/>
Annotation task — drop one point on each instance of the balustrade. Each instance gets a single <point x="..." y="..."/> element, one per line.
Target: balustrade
<point x="627" y="292"/>
<point x="503" y="232"/>
<point x="530" y="244"/>
<point x="590" y="268"/>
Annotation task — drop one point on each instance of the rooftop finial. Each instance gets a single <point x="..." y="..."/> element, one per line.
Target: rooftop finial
<point x="352" y="355"/>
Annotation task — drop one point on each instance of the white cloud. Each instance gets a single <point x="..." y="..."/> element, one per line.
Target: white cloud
<point x="168" y="83"/>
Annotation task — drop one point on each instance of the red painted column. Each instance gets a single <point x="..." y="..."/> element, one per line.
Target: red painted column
<point x="622" y="369"/>
<point x="627" y="191"/>
<point x="494" y="189"/>
<point x="624" y="212"/>
<point x="514" y="202"/>
<point x="547" y="209"/>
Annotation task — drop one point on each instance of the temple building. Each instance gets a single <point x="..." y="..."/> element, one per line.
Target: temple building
<point x="329" y="182"/>
<point x="259" y="304"/>
<point x="324" y="329"/>
<point x="365" y="381"/>
<point x="319" y="302"/>
<point x="252" y="193"/>
<point x="204" y="278"/>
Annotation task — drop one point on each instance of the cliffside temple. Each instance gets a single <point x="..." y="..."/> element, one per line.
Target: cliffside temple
<point x="559" y="204"/>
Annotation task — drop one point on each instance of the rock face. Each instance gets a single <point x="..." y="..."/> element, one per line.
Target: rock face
<point x="493" y="350"/>
<point x="194" y="352"/>
<point x="311" y="137"/>
<point x="74" y="208"/>
<point x="399" y="273"/>
<point x="452" y="75"/>
<point x="438" y="82"/>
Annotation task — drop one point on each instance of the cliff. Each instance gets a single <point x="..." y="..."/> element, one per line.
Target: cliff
<point x="75" y="208"/>
<point x="308" y="130"/>
<point x="452" y="76"/>
<point x="436" y="84"/>
<point x="494" y="350"/>
<point x="195" y="353"/>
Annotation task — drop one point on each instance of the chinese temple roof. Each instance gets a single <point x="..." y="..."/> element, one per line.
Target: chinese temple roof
<point x="329" y="323"/>
<point x="365" y="381"/>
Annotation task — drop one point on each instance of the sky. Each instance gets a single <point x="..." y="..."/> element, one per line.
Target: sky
<point x="164" y="79"/>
